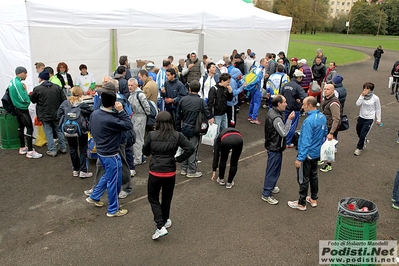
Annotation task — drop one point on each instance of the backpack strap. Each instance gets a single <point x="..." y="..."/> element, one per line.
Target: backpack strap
<point x="137" y="95"/>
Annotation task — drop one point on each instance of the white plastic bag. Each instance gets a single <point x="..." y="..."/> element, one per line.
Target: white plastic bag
<point x="209" y="137"/>
<point x="390" y="81"/>
<point x="327" y="151"/>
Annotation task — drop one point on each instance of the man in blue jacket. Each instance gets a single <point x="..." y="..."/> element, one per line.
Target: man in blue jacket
<point x="106" y="126"/>
<point x="313" y="131"/>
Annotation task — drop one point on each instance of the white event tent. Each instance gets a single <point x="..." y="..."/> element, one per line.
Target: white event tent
<point x="87" y="31"/>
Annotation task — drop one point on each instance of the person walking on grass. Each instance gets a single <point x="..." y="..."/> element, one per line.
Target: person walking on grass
<point x="313" y="132"/>
<point x="162" y="144"/>
<point x="370" y="108"/>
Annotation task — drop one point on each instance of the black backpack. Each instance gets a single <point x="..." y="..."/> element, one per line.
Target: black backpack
<point x="7" y="103"/>
<point x="73" y="124"/>
<point x="201" y="124"/>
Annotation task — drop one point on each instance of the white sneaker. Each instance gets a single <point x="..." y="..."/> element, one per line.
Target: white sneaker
<point x="221" y="181"/>
<point x="194" y="175"/>
<point x="182" y="172"/>
<point x="230" y="185"/>
<point x="123" y="194"/>
<point x="168" y="223"/>
<point x="357" y="152"/>
<point x="132" y="172"/>
<point x="85" y="174"/>
<point x="88" y="192"/>
<point x="23" y="150"/>
<point x="276" y="190"/>
<point x="75" y="173"/>
<point x="33" y="155"/>
<point x="271" y="200"/>
<point x="159" y="233"/>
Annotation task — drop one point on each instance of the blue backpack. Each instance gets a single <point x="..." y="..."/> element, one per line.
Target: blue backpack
<point x="73" y="124"/>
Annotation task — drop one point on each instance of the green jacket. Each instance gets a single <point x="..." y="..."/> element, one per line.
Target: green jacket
<point x="19" y="96"/>
<point x="55" y="80"/>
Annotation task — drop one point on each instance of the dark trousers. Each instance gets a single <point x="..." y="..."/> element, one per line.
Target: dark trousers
<point x="376" y="63"/>
<point x="273" y="170"/>
<point x="129" y="157"/>
<point x="307" y="173"/>
<point x="24" y="121"/>
<point x="233" y="143"/>
<point x="231" y="116"/>
<point x="395" y="84"/>
<point x="363" y="127"/>
<point x="78" y="158"/>
<point x="161" y="211"/>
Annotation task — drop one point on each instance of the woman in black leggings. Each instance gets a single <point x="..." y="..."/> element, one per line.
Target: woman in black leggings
<point x="228" y="139"/>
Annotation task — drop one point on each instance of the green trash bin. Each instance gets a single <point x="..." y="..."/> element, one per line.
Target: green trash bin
<point x="356" y="224"/>
<point x="8" y="131"/>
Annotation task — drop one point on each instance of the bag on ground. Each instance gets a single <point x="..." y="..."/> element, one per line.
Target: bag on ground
<point x="209" y="137"/>
<point x="327" y="151"/>
<point x="73" y="124"/>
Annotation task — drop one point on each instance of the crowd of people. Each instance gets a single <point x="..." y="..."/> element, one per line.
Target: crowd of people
<point x="118" y="118"/>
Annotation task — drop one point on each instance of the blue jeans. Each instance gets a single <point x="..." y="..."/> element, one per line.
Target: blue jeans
<point x="256" y="98"/>
<point x="395" y="192"/>
<point x="111" y="180"/>
<point x="273" y="170"/>
<point x="221" y="121"/>
<point x="294" y="124"/>
<point x="49" y="127"/>
<point x="376" y="63"/>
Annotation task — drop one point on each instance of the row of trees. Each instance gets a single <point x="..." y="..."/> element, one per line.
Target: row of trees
<point x="365" y="17"/>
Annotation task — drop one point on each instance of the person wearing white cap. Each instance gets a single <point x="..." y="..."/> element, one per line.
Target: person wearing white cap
<point x="294" y="94"/>
<point x="303" y="66"/>
<point x="250" y="62"/>
<point x="150" y="68"/>
<point x="194" y="69"/>
<point x="222" y="66"/>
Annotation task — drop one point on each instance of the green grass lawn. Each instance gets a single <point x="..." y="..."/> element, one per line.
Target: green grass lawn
<point x="301" y="46"/>
<point x="387" y="42"/>
<point x="340" y="56"/>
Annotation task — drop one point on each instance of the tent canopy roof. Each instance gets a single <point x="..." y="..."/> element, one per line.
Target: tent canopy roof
<point x="154" y="14"/>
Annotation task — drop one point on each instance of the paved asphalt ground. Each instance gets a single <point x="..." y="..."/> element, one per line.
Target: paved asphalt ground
<point x="45" y="219"/>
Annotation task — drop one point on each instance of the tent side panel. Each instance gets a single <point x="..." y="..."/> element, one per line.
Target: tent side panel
<point x="74" y="47"/>
<point x="221" y="42"/>
<point x="156" y="45"/>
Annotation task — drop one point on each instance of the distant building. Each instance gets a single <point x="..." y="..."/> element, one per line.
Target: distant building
<point x="340" y="7"/>
<point x="344" y="6"/>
